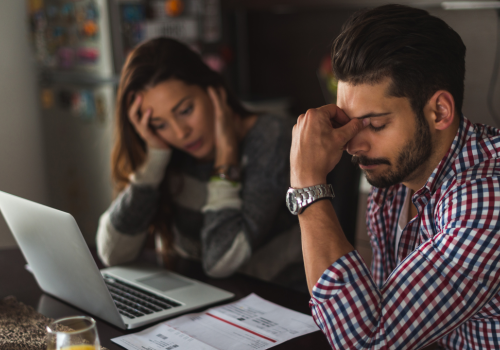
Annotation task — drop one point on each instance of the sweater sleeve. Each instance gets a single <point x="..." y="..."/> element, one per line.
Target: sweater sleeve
<point x="123" y="227"/>
<point x="238" y="218"/>
<point x="114" y="247"/>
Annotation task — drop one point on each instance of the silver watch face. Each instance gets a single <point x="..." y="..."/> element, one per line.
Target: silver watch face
<point x="291" y="202"/>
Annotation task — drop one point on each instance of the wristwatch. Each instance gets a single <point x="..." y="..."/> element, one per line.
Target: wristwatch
<point x="297" y="199"/>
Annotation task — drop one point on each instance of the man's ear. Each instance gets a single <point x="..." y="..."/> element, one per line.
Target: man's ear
<point x="442" y="109"/>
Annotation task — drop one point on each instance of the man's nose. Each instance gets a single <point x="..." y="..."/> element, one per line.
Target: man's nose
<point x="358" y="144"/>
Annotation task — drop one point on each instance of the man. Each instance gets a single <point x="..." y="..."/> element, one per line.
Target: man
<point x="433" y="211"/>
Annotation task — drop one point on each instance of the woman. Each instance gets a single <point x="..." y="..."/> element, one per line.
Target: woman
<point x="195" y="168"/>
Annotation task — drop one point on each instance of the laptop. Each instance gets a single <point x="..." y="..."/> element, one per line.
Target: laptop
<point x="128" y="296"/>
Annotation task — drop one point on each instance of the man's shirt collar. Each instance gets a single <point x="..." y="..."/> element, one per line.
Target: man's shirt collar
<point x="446" y="169"/>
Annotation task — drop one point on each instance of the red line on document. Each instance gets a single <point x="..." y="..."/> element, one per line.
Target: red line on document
<point x="245" y="329"/>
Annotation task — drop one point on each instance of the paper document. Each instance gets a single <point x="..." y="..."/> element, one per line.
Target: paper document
<point x="250" y="323"/>
<point x="160" y="337"/>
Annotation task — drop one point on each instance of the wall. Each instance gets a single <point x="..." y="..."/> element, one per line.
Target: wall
<point x="285" y="50"/>
<point x="21" y="155"/>
<point x="478" y="31"/>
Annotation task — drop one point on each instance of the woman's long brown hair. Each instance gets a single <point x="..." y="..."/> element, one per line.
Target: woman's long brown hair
<point x="149" y="64"/>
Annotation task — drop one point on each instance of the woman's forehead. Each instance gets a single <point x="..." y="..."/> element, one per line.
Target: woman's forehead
<point x="168" y="94"/>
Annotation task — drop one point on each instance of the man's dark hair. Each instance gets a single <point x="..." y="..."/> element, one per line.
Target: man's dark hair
<point x="419" y="52"/>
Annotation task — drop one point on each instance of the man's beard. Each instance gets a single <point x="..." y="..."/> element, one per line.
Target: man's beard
<point x="414" y="153"/>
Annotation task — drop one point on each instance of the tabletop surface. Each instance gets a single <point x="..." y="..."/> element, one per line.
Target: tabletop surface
<point x="17" y="281"/>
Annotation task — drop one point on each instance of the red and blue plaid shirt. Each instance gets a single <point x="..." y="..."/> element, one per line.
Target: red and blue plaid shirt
<point x="444" y="285"/>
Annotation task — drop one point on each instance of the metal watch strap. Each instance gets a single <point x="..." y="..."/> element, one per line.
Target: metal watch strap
<point x="302" y="197"/>
<point x="307" y="195"/>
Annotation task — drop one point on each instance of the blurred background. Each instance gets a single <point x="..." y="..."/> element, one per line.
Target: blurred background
<point x="60" y="61"/>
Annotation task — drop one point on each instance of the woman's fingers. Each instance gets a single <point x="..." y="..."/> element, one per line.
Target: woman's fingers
<point x="145" y="124"/>
<point x="225" y="128"/>
<point x="223" y="100"/>
<point x="216" y="101"/>
<point x="145" y="119"/>
<point x="142" y="125"/>
<point x="133" y="114"/>
<point x="218" y="97"/>
<point x="152" y="139"/>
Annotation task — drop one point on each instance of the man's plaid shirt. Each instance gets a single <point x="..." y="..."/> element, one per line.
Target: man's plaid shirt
<point x="445" y="284"/>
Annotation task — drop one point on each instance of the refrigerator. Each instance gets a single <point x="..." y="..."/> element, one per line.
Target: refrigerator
<point x="79" y="47"/>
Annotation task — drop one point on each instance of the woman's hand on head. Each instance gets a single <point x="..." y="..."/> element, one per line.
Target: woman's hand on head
<point x="142" y="125"/>
<point x="226" y="137"/>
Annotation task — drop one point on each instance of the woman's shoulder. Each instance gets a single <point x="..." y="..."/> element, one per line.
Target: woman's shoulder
<point x="266" y="148"/>
<point x="273" y="123"/>
<point x="269" y="132"/>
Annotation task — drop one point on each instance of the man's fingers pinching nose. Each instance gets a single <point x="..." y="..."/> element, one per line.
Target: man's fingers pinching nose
<point x="356" y="125"/>
<point x="341" y="117"/>
<point x="348" y="131"/>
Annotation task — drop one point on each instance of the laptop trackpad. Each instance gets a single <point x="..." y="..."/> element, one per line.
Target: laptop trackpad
<point x="164" y="282"/>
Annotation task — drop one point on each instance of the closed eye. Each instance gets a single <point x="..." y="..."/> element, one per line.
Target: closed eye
<point x="186" y="111"/>
<point x="377" y="128"/>
<point x="158" y="126"/>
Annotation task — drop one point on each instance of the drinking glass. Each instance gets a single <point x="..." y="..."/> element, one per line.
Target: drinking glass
<point x="73" y="333"/>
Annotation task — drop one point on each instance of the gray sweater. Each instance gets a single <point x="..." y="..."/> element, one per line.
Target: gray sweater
<point x="245" y="227"/>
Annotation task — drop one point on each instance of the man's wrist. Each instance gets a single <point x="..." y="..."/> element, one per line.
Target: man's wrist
<point x="315" y="207"/>
<point x="297" y="199"/>
<point x="307" y="182"/>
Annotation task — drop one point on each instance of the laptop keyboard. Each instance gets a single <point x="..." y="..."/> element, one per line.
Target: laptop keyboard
<point x="135" y="302"/>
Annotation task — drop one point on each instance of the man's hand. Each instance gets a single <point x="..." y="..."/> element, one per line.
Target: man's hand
<point x="318" y="140"/>
<point x="317" y="143"/>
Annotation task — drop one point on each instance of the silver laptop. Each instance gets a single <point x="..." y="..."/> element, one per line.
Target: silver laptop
<point x="127" y="296"/>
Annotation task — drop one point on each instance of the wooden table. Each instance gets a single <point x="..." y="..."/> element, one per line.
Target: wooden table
<point x="17" y="281"/>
